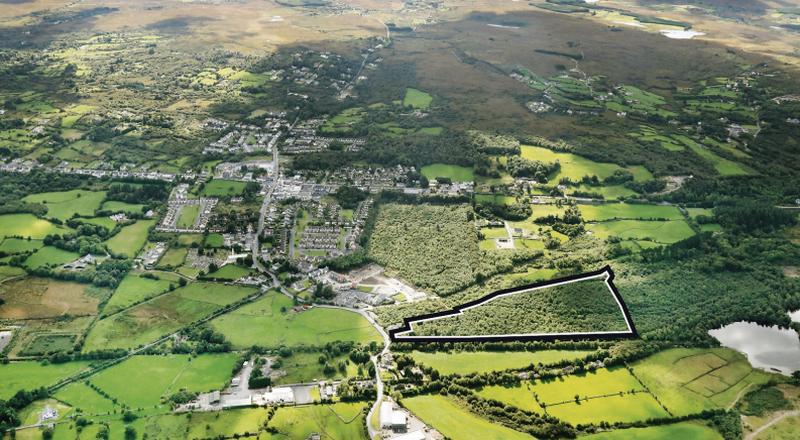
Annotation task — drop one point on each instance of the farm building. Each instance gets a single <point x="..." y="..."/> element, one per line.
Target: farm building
<point x="391" y="418"/>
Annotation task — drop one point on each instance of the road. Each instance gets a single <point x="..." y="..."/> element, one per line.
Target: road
<point x="775" y="419"/>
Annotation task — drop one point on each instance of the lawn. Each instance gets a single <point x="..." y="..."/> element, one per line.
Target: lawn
<point x="231" y="272"/>
<point x="457" y="423"/>
<point x="575" y="167"/>
<point x="688" y="380"/>
<point x="157" y="376"/>
<point x="65" y="204"/>
<point x="29" y="375"/>
<point x="215" y="240"/>
<point x="134" y="289"/>
<point x="684" y="430"/>
<point x="188" y="216"/>
<point x="26" y="225"/>
<point x="49" y="256"/>
<point x="468" y="362"/>
<point x="662" y="232"/>
<point x="165" y="314"/>
<point x="270" y="322"/>
<point x="610" y="211"/>
<point x="221" y="188"/>
<point x="32" y="297"/>
<point x="453" y="172"/>
<point x="336" y="421"/>
<point x="19" y="245"/>
<point x="417" y="99"/>
<point x="130" y="239"/>
<point x="115" y="206"/>
<point x="81" y="396"/>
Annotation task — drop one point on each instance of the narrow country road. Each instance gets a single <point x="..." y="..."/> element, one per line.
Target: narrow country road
<point x="777" y="418"/>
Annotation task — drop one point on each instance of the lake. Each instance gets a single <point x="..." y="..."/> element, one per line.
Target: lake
<point x="769" y="348"/>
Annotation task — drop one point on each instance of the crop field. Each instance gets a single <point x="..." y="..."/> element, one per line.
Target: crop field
<point x="32" y="297"/>
<point x="188" y="216"/>
<point x="417" y="99"/>
<point x="130" y="239"/>
<point x="230" y="272"/>
<point x="49" y="256"/>
<point x="468" y="362"/>
<point x="455" y="422"/>
<point x="152" y="319"/>
<point x="691" y="380"/>
<point x="270" y="322"/>
<point x="83" y="397"/>
<point x="26" y="225"/>
<point x="19" y="245"/>
<point x="611" y="211"/>
<point x="65" y="204"/>
<point x="158" y="376"/>
<point x="28" y="375"/>
<point x="575" y="167"/>
<point x="452" y="172"/>
<point x="133" y="289"/>
<point x="222" y="188"/>
<point x="115" y="206"/>
<point x="683" y="430"/>
<point x="661" y="232"/>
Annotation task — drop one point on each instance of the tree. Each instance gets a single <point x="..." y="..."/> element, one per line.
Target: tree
<point x="130" y="433"/>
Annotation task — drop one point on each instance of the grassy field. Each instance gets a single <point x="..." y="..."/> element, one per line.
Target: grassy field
<point x="133" y="289"/>
<point x="115" y="206"/>
<point x="575" y="167"/>
<point x="49" y="343"/>
<point x="105" y="222"/>
<point x="467" y="362"/>
<point x="453" y="172"/>
<point x="662" y="232"/>
<point x="29" y="375"/>
<point x="215" y="240"/>
<point x="7" y="272"/>
<point x="304" y="367"/>
<point x="64" y="204"/>
<point x="687" y="380"/>
<point x="26" y="225"/>
<point x="82" y="397"/>
<point x="265" y="323"/>
<point x="337" y="421"/>
<point x="457" y="423"/>
<point x="173" y="257"/>
<point x="50" y="256"/>
<point x="221" y="188"/>
<point x="31" y="297"/>
<point x="187" y="216"/>
<point x="684" y="430"/>
<point x="625" y="408"/>
<point x="723" y="166"/>
<point x="19" y="245"/>
<point x="610" y="211"/>
<point x="130" y="239"/>
<point x="417" y="99"/>
<point x="152" y="319"/>
<point x="231" y="272"/>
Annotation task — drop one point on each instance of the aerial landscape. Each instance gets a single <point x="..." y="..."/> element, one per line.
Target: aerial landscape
<point x="400" y="219"/>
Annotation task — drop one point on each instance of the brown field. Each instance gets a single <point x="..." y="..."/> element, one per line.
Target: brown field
<point x="31" y="297"/>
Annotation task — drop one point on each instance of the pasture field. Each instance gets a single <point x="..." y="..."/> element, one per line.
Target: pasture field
<point x="28" y="375"/>
<point x="786" y="429"/>
<point x="33" y="297"/>
<point x="690" y="380"/>
<point x="173" y="257"/>
<point x="453" y="172"/>
<point x="575" y="167"/>
<point x="49" y="343"/>
<point x="270" y="322"/>
<point x="417" y="99"/>
<point x="30" y="414"/>
<point x="468" y="362"/>
<point x="115" y="206"/>
<point x="105" y="222"/>
<point x="49" y="256"/>
<point x="230" y="272"/>
<point x="498" y="199"/>
<point x="609" y="192"/>
<point x="19" y="245"/>
<point x="602" y="381"/>
<point x="222" y="188"/>
<point x="158" y="376"/>
<point x="130" y="239"/>
<point x="336" y="421"/>
<point x="82" y="397"/>
<point x="215" y="240"/>
<point x="694" y="212"/>
<point x="302" y="367"/>
<point x="723" y="166"/>
<point x="26" y="225"/>
<point x="187" y="216"/>
<point x="611" y="211"/>
<point x="489" y="233"/>
<point x="7" y="272"/>
<point x="66" y="204"/>
<point x="455" y="422"/>
<point x="153" y="319"/>
<point x="683" y="430"/>
<point x="661" y="232"/>
<point x="624" y="408"/>
<point x="133" y="289"/>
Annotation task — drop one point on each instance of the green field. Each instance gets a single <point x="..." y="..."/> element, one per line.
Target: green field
<point x="304" y="367"/>
<point x="187" y="216"/>
<point x="453" y="172"/>
<point x="222" y="188"/>
<point x="65" y="204"/>
<point x="457" y="423"/>
<point x="688" y="380"/>
<point x="336" y="421"/>
<point x="153" y="319"/>
<point x="684" y="430"/>
<point x="173" y="257"/>
<point x="105" y="222"/>
<point x="26" y="225"/>
<point x="133" y="289"/>
<point x="115" y="206"/>
<point x="723" y="166"/>
<point x="264" y="323"/>
<point x="231" y="272"/>
<point x="130" y="239"/>
<point x="468" y="362"/>
<point x="81" y="396"/>
<point x="417" y="99"/>
<point x="50" y="256"/>
<point x="662" y="232"/>
<point x="157" y="376"/>
<point x="19" y="245"/>
<point x="29" y="375"/>
<point x="49" y="343"/>
<point x="215" y="240"/>
<point x="610" y="211"/>
<point x="575" y="167"/>
<point x="7" y="272"/>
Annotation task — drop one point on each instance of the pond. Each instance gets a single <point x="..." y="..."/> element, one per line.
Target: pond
<point x="769" y="348"/>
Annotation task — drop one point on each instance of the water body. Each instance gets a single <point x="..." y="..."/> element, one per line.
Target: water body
<point x="680" y="35"/>
<point x="769" y="348"/>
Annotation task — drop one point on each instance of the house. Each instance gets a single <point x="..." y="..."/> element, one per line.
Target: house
<point x="235" y="382"/>
<point x="213" y="397"/>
